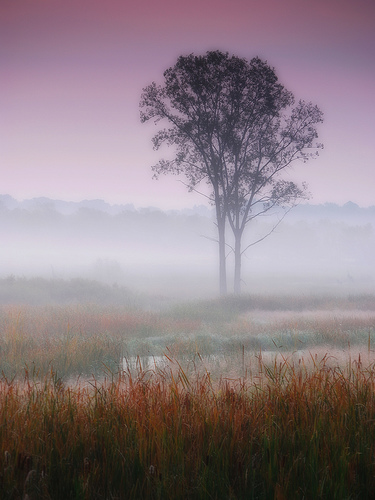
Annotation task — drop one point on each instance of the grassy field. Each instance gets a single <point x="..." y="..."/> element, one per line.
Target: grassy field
<point x="264" y="397"/>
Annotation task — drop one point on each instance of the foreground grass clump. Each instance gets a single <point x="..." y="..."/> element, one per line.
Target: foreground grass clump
<point x="296" y="430"/>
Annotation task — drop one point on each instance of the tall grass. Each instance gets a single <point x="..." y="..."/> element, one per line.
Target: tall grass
<point x="296" y="430"/>
<point x="250" y="402"/>
<point x="78" y="339"/>
<point x="87" y="339"/>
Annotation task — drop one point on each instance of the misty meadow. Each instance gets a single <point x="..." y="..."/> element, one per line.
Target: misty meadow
<point x="154" y="351"/>
<point x="316" y="248"/>
<point x="260" y="396"/>
<point x="123" y="379"/>
<point x="136" y="395"/>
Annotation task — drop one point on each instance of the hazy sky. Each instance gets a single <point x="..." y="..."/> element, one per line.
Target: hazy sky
<point x="72" y="72"/>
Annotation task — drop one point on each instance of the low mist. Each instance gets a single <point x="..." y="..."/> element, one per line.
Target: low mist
<point x="321" y="248"/>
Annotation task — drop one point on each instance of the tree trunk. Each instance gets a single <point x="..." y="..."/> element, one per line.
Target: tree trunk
<point x="237" y="263"/>
<point x="222" y="258"/>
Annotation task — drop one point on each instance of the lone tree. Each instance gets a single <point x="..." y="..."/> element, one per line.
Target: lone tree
<point x="235" y="127"/>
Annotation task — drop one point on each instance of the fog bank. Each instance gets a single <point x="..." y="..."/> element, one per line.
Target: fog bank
<point x="322" y="248"/>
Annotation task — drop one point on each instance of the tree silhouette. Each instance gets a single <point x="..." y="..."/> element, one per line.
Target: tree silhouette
<point x="235" y="127"/>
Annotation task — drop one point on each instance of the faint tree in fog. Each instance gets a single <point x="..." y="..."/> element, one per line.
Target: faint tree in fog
<point x="235" y="127"/>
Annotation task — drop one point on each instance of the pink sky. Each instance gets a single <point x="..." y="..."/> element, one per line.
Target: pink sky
<point x="72" y="72"/>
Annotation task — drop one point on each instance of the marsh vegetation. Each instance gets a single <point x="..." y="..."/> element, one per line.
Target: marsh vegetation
<point x="240" y="397"/>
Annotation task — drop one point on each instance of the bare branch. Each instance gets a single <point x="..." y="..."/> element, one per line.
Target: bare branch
<point x="196" y="190"/>
<point x="266" y="235"/>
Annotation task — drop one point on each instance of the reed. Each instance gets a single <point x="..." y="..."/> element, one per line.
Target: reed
<point x="294" y="430"/>
<point x="249" y="402"/>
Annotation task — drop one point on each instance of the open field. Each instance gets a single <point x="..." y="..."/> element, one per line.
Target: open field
<point x="223" y="336"/>
<point x="251" y="397"/>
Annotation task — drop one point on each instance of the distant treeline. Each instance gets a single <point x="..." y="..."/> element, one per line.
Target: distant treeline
<point x="348" y="211"/>
<point x="92" y="242"/>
